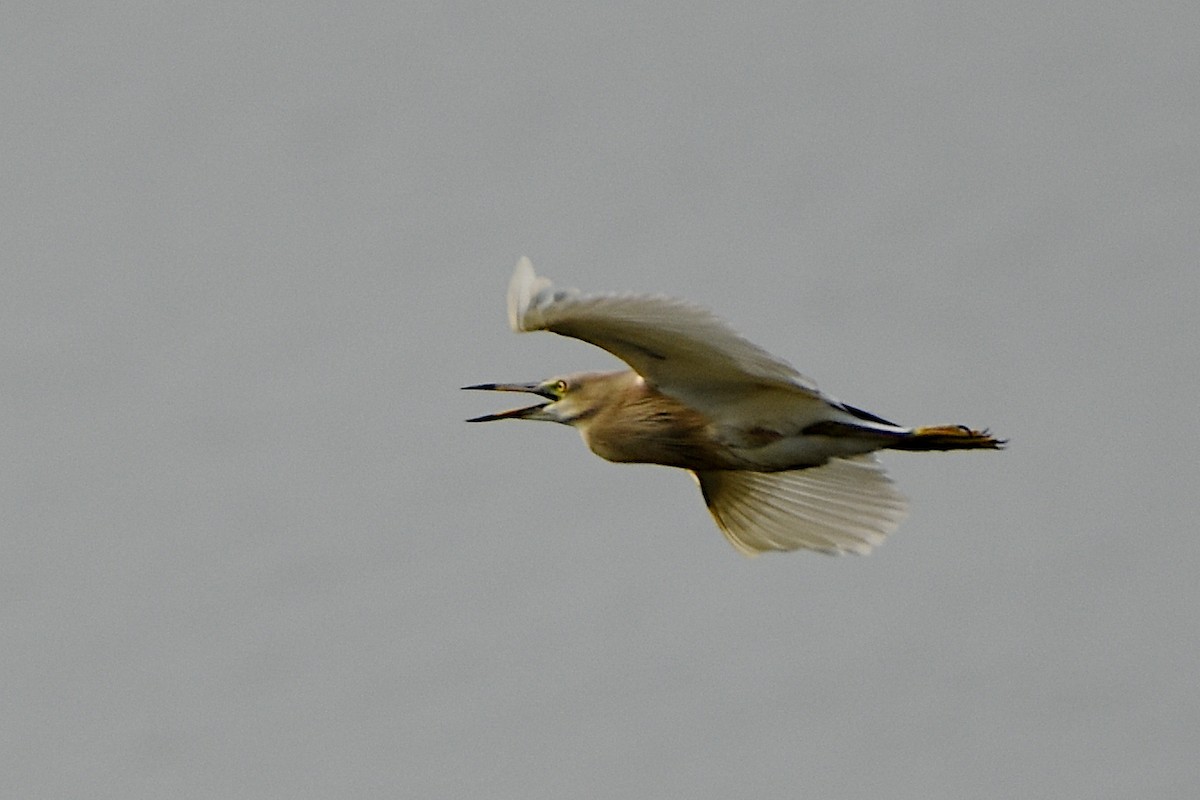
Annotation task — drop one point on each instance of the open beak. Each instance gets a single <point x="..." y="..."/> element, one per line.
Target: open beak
<point x="516" y="413"/>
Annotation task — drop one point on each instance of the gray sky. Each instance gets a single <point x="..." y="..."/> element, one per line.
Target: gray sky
<point x="250" y="549"/>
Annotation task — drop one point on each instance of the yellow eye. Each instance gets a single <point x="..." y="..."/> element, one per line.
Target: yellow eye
<point x="560" y="387"/>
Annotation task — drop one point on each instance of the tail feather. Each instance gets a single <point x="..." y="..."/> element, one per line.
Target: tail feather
<point x="948" y="437"/>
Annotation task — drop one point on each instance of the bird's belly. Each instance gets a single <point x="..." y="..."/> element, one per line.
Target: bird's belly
<point x="778" y="454"/>
<point x="667" y="451"/>
<point x="803" y="450"/>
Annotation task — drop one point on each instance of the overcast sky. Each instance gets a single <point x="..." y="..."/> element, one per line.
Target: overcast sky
<point x="251" y="251"/>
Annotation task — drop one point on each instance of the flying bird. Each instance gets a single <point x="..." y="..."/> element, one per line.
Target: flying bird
<point x="781" y="465"/>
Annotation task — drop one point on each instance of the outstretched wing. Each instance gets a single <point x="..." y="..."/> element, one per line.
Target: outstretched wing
<point x="680" y="349"/>
<point x="846" y="506"/>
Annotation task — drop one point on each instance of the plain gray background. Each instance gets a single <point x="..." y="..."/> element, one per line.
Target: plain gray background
<point x="250" y="251"/>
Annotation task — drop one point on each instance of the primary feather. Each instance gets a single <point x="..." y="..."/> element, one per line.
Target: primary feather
<point x="680" y="349"/>
<point x="847" y="506"/>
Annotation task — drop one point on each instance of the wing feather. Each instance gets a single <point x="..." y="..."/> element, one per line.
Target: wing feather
<point x="678" y="348"/>
<point x="846" y="506"/>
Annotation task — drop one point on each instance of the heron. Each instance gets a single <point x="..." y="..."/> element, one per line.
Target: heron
<point x="781" y="465"/>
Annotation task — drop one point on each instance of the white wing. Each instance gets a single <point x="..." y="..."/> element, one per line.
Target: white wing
<point x="847" y="505"/>
<point x="681" y="350"/>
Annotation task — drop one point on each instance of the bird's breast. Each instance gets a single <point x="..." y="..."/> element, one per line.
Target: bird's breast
<point x="655" y="429"/>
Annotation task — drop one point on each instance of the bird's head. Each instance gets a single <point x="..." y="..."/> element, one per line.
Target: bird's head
<point x="573" y="398"/>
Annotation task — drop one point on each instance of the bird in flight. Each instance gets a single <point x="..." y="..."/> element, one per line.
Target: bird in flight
<point x="781" y="465"/>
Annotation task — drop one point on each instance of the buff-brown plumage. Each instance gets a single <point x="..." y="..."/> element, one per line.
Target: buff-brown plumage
<point x="781" y="465"/>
